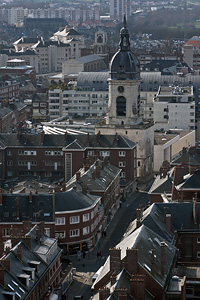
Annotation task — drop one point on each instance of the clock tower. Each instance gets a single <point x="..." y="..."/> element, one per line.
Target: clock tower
<point x="124" y="85"/>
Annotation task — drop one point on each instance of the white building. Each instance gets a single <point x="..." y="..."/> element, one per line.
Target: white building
<point x="90" y="98"/>
<point x="118" y="8"/>
<point x="174" y="108"/>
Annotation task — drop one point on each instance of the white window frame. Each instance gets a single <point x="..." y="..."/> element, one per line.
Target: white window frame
<point x="122" y="164"/>
<point x="198" y="240"/>
<point x="74" y="220"/>
<point x="198" y="254"/>
<point x="86" y="217"/>
<point x="122" y="153"/>
<point x="60" y="234"/>
<point x="122" y="174"/>
<point x="74" y="232"/>
<point x="86" y="230"/>
<point x="60" y="221"/>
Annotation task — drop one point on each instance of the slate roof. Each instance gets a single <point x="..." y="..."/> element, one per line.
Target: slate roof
<point x="165" y="66"/>
<point x="14" y="279"/>
<point x="187" y="157"/>
<point x="89" y="58"/>
<point x="4" y="111"/>
<point x="162" y="184"/>
<point x="41" y="207"/>
<point x="101" y="183"/>
<point x="191" y="182"/>
<point x="72" y="200"/>
<point x="93" y="80"/>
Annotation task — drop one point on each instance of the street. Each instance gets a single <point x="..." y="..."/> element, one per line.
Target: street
<point x="86" y="267"/>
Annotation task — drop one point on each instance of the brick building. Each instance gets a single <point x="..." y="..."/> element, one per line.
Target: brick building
<point x="31" y="267"/>
<point x="155" y="258"/>
<point x="61" y="156"/>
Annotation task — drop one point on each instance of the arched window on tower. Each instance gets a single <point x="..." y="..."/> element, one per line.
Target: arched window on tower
<point x="121" y="106"/>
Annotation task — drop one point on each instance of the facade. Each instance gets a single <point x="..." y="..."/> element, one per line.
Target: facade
<point x="123" y="115"/>
<point x="61" y="156"/>
<point x="174" y="108"/>
<point x="120" y="8"/>
<point x="8" y="90"/>
<point x="52" y="54"/>
<point x="84" y="101"/>
<point x="18" y="67"/>
<point x="169" y="145"/>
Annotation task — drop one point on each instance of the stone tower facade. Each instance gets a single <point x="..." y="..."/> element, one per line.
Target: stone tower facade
<point x="124" y="85"/>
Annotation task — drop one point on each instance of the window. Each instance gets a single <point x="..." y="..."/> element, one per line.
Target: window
<point x="47" y="231"/>
<point x="86" y="230"/>
<point x="59" y="234"/>
<point x="9" y="163"/>
<point x="86" y="217"/>
<point x="189" y="290"/>
<point x="90" y="153"/>
<point x="60" y="221"/>
<point x="6" y="232"/>
<point x="92" y="214"/>
<point x="74" y="232"/>
<point x="138" y="163"/>
<point x="122" y="164"/>
<point x="122" y="175"/>
<point x="74" y="220"/>
<point x="104" y="153"/>
<point x="9" y="153"/>
<point x="198" y="254"/>
<point x="198" y="240"/>
<point x="122" y="153"/>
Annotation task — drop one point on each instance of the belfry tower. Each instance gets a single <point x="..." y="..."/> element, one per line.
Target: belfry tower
<point x="124" y="84"/>
<point x="123" y="115"/>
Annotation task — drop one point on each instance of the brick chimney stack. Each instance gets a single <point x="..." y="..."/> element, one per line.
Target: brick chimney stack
<point x="162" y="261"/>
<point x="168" y="223"/>
<point x="42" y="137"/>
<point x="153" y="261"/>
<point x="84" y="188"/>
<point x="132" y="260"/>
<point x="78" y="176"/>
<point x="30" y="197"/>
<point x="138" y="286"/>
<point x="115" y="259"/>
<point x="194" y="211"/>
<point x="103" y="293"/>
<point x="178" y="174"/>
<point x="19" y="252"/>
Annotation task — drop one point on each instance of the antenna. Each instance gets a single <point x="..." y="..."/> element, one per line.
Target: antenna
<point x="184" y="29"/>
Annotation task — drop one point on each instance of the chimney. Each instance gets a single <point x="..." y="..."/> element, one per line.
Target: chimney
<point x="84" y="188"/>
<point x="27" y="224"/>
<point x="1" y="197"/>
<point x="78" y="176"/>
<point x="192" y="150"/>
<point x="6" y="264"/>
<point x="64" y="187"/>
<point x="18" y="135"/>
<point x="194" y="211"/>
<point x="36" y="192"/>
<point x="165" y="212"/>
<point x="2" y="276"/>
<point x="115" y="140"/>
<point x="42" y="137"/>
<point x="178" y="175"/>
<point x="138" y="220"/>
<point x="106" y="160"/>
<point x="103" y="293"/>
<point x="132" y="260"/>
<point x="184" y="150"/>
<point x="98" y="171"/>
<point x="120" y="293"/>
<point x="17" y="205"/>
<point x="168" y="223"/>
<point x="152" y="262"/>
<point x="37" y="234"/>
<point x="2" y="252"/>
<point x="30" y="197"/>
<point x="162" y="261"/>
<point x="94" y="174"/>
<point x="19" y="252"/>
<point x="138" y="286"/>
<point x="66" y="136"/>
<point x="115" y="259"/>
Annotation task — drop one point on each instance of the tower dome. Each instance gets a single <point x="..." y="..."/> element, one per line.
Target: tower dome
<point x="124" y="64"/>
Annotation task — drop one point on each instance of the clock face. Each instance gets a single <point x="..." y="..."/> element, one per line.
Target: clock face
<point x="120" y="89"/>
